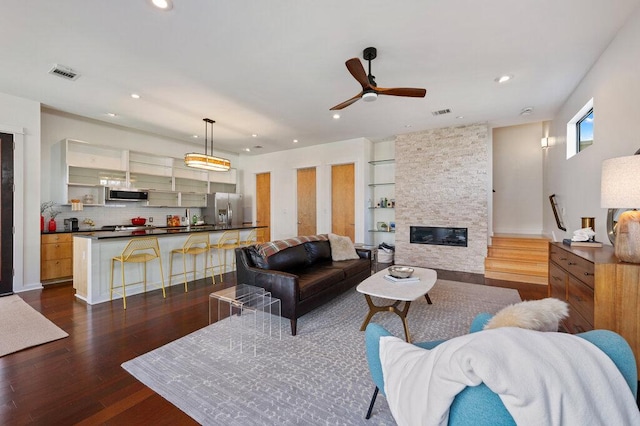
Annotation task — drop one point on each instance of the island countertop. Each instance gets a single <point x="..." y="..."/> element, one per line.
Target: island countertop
<point x="162" y="231"/>
<point x="93" y="253"/>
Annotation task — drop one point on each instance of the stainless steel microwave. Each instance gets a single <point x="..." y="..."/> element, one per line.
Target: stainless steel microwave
<point x="126" y="195"/>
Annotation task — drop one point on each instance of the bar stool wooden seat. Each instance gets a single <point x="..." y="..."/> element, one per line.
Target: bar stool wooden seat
<point x="196" y="244"/>
<point x="228" y="241"/>
<point x="138" y="250"/>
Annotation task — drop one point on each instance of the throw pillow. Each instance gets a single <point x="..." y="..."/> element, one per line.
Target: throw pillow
<point x="540" y="315"/>
<point x="342" y="248"/>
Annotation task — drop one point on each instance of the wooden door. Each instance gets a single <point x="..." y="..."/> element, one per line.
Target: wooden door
<point x="343" y="200"/>
<point x="6" y="214"/>
<point x="263" y="203"/>
<point x="307" y="201"/>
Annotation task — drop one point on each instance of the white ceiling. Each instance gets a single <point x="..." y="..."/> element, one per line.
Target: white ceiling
<point x="275" y="67"/>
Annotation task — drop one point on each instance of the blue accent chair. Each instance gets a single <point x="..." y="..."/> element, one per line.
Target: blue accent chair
<point x="478" y="405"/>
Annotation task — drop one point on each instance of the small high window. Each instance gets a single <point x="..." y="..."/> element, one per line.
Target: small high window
<point x="584" y="130"/>
<point x="580" y="130"/>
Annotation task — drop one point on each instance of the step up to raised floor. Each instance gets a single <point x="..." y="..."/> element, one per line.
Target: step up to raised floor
<point x="520" y="258"/>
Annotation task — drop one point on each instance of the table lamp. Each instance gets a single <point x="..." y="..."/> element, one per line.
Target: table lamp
<point x="621" y="189"/>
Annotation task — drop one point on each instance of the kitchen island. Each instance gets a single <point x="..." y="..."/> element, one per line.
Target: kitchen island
<point x="93" y="251"/>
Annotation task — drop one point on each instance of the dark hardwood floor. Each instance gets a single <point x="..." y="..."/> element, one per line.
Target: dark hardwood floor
<point x="78" y="380"/>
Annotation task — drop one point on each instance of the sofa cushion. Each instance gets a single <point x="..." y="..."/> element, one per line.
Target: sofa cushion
<point x="317" y="251"/>
<point x="256" y="258"/>
<point x="352" y="267"/>
<point x="342" y="248"/>
<point x="288" y="260"/>
<point x="318" y="278"/>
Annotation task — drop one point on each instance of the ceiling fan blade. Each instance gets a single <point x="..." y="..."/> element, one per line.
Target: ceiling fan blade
<point x="357" y="71"/>
<point x="347" y="102"/>
<point x="402" y="91"/>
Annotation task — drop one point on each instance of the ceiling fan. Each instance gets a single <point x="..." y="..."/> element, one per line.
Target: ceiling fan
<point x="370" y="89"/>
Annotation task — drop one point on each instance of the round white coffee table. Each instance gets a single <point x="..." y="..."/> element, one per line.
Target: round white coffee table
<point x="378" y="286"/>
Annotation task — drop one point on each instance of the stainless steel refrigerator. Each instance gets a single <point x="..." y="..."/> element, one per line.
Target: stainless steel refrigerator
<point x="223" y="209"/>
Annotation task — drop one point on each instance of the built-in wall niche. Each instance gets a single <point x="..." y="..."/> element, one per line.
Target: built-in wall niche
<point x="439" y="236"/>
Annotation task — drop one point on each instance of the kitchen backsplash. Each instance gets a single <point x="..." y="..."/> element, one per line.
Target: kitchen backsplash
<point x="122" y="215"/>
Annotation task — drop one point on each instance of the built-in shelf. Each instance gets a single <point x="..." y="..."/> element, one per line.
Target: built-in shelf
<point x="379" y="162"/>
<point x="377" y="208"/>
<point x="389" y="232"/>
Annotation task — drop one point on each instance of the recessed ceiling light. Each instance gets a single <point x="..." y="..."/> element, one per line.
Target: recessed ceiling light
<point x="407" y="125"/>
<point x="247" y="149"/>
<point x="111" y="114"/>
<point x="163" y="4"/>
<point x="336" y="116"/>
<point x="195" y="136"/>
<point x="254" y="135"/>
<point x="295" y="141"/>
<point x="135" y="96"/>
<point x="460" y="116"/>
<point x="503" y="78"/>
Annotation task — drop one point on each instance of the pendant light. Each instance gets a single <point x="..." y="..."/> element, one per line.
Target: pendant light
<point x="206" y="161"/>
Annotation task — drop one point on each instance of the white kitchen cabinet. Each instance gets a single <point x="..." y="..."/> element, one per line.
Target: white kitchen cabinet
<point x="151" y="182"/>
<point x="147" y="164"/>
<point x="230" y="177"/>
<point x="84" y="154"/>
<point x="82" y="169"/>
<point x="193" y="200"/>
<point x="163" y="199"/>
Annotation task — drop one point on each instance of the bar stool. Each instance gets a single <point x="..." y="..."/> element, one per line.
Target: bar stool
<point x="255" y="236"/>
<point x="196" y="244"/>
<point x="138" y="250"/>
<point x="229" y="240"/>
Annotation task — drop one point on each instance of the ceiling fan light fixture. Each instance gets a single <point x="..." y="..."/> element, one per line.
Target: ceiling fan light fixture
<point x="369" y="96"/>
<point x="206" y="161"/>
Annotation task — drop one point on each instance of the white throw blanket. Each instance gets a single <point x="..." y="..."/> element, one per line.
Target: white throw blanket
<point x="542" y="378"/>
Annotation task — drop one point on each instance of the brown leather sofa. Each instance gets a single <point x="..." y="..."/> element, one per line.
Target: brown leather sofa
<point x="303" y="277"/>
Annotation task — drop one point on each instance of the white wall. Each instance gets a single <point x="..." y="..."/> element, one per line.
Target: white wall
<point x="22" y="117"/>
<point x="614" y="84"/>
<point x="283" y="166"/>
<point x="517" y="179"/>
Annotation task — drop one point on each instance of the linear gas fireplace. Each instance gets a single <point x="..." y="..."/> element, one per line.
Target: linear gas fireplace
<point x="439" y="236"/>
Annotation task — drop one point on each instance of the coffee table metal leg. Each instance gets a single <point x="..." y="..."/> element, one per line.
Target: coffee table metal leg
<point x="374" y="309"/>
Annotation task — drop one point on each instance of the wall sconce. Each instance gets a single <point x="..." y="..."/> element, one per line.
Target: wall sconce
<point x="620" y="189"/>
<point x="544" y="142"/>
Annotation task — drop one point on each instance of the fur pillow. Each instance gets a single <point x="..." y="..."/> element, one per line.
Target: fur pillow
<point x="541" y="315"/>
<point x="342" y="248"/>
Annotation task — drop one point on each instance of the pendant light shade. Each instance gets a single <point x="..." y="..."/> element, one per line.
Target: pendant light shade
<point x="206" y="161"/>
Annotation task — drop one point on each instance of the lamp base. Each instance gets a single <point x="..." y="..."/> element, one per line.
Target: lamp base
<point x="628" y="237"/>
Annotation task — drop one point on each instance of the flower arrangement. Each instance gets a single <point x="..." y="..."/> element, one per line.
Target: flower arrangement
<point x="46" y="205"/>
<point x="53" y="212"/>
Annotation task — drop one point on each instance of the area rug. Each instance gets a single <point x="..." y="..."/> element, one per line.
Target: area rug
<point x="318" y="377"/>
<point x="23" y="326"/>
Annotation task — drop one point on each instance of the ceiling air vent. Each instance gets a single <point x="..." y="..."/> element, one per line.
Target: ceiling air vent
<point x="64" y="72"/>
<point x="440" y="112"/>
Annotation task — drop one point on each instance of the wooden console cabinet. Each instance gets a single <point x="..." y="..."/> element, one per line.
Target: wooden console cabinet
<point x="56" y="257"/>
<point x="602" y="292"/>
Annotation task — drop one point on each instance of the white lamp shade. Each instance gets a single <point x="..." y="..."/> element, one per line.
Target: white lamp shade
<point x="620" y="185"/>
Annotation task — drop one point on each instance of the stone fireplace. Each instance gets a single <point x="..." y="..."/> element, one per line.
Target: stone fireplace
<point x="442" y="181"/>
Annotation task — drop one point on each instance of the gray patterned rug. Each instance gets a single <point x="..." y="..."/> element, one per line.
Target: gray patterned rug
<point x="319" y="377"/>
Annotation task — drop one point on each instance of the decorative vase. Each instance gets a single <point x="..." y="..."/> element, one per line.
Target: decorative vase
<point x="52" y="225"/>
<point x="41" y="223"/>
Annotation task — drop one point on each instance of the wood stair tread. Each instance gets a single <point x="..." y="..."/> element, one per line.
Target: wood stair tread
<point x="520" y="258"/>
